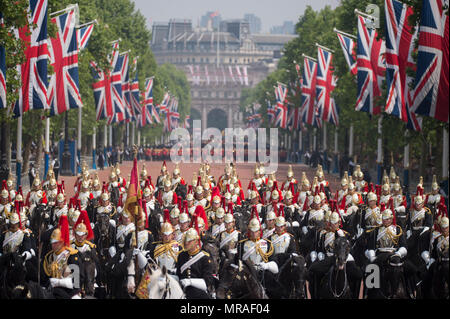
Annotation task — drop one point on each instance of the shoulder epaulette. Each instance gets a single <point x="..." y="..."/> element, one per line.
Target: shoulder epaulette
<point x="428" y="211"/>
<point x="208" y="255"/>
<point x="92" y="245"/>
<point x="72" y="251"/>
<point x="241" y="241"/>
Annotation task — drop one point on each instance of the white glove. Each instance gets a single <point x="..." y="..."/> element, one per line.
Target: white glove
<point x="359" y="231"/>
<point x="313" y="255"/>
<point x="304" y="230"/>
<point x="408" y="233"/>
<point x="295" y="224"/>
<point x="112" y="222"/>
<point x="142" y="261"/>
<point x="194" y="282"/>
<point x="27" y="255"/>
<point x="130" y="284"/>
<point x="64" y="282"/>
<point x="112" y="251"/>
<point x="401" y="252"/>
<point x="370" y="254"/>
<point x="321" y="256"/>
<point x="425" y="256"/>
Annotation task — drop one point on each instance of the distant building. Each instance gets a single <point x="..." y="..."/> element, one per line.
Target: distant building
<point x="254" y="21"/>
<point x="210" y="20"/>
<point x="217" y="64"/>
<point x="288" y="27"/>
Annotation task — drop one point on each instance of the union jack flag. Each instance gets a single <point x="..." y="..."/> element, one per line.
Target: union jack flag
<point x="63" y="89"/>
<point x="135" y="104"/>
<point x="399" y="46"/>
<point x="348" y="46"/>
<point x="281" y="108"/>
<point x="325" y="84"/>
<point x="172" y="116"/>
<point x="83" y="36"/>
<point x="270" y="112"/>
<point x="308" y="87"/>
<point x="107" y="88"/>
<point x="2" y="73"/>
<point x="431" y="97"/>
<point x="164" y="104"/>
<point x="148" y="100"/>
<point x="33" y="72"/>
<point x="119" y="107"/>
<point x="126" y="93"/>
<point x="371" y="68"/>
<point x="293" y="118"/>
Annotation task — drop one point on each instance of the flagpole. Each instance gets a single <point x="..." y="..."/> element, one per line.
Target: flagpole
<point x="336" y="158"/>
<point x="79" y="140"/>
<point x="132" y="132"/>
<point x="105" y="144"/>
<point x="300" y="144"/>
<point x="406" y="163"/>
<point x="379" y="150"/>
<point x="19" y="153"/>
<point x="325" y="48"/>
<point x="94" y="147"/>
<point x="47" y="146"/>
<point x="350" y="148"/>
<point x="325" y="162"/>
<point x="345" y="33"/>
<point x="308" y="57"/>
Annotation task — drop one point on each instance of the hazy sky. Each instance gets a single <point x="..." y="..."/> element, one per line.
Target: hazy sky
<point x="271" y="12"/>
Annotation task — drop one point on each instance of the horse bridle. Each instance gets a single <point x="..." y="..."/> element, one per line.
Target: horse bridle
<point x="336" y="295"/>
<point x="236" y="275"/>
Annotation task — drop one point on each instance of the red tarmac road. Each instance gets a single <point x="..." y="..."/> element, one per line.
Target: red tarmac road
<point x="244" y="171"/>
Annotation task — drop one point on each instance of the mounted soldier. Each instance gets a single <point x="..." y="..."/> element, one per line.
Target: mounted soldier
<point x="57" y="264"/>
<point x="290" y="179"/>
<point x="433" y="199"/>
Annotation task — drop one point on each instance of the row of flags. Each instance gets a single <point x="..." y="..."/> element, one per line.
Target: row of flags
<point x="116" y="95"/>
<point x="373" y="61"/>
<point x="201" y="75"/>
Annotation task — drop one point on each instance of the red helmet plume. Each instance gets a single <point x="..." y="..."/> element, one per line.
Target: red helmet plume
<point x="63" y="225"/>
<point x="84" y="218"/>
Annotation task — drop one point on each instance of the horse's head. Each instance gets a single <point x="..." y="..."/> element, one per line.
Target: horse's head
<point x="229" y="276"/>
<point x="341" y="251"/>
<point x="103" y="223"/>
<point x="298" y="267"/>
<point x="15" y="269"/>
<point x="162" y="285"/>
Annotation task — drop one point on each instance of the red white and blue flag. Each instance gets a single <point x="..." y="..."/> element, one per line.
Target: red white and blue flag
<point x="148" y="100"/>
<point x="147" y="103"/>
<point x="33" y="72"/>
<point x="144" y="117"/>
<point x="399" y="46"/>
<point x="281" y="108"/>
<point x="348" y="46"/>
<point x="371" y="68"/>
<point x="107" y="95"/>
<point x="172" y="116"/>
<point x="2" y="72"/>
<point x="270" y="112"/>
<point x="63" y="88"/>
<point x="119" y="112"/>
<point x="163" y="107"/>
<point x="308" y="86"/>
<point x="294" y="119"/>
<point x="325" y="84"/>
<point x="135" y="103"/>
<point x="83" y="35"/>
<point x="431" y="92"/>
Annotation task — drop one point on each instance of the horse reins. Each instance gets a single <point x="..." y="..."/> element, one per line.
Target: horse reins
<point x="335" y="295"/>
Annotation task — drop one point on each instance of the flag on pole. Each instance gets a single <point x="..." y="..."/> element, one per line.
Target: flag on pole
<point x="399" y="46"/>
<point x="83" y="36"/>
<point x="308" y="87"/>
<point x="163" y="107"/>
<point x="270" y="112"/>
<point x="33" y="72"/>
<point x="348" y="46"/>
<point x="116" y="82"/>
<point x="134" y="195"/>
<point x="281" y="108"/>
<point x="431" y="93"/>
<point x="325" y="84"/>
<point x="63" y="89"/>
<point x="135" y="103"/>
<point x="371" y="68"/>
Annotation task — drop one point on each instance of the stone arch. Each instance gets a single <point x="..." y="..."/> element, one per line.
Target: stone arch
<point x="217" y="117"/>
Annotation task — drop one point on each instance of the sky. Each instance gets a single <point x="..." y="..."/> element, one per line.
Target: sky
<point x="271" y="12"/>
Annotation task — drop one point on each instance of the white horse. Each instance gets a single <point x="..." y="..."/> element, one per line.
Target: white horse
<point x="162" y="285"/>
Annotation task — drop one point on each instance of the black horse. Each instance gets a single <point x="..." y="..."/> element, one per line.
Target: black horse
<point x="239" y="282"/>
<point x="440" y="282"/>
<point x="335" y="284"/>
<point x="292" y="276"/>
<point x="105" y="235"/>
<point x="13" y="284"/>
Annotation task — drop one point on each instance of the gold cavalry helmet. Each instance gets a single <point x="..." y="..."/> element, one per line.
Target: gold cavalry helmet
<point x="191" y="234"/>
<point x="167" y="228"/>
<point x="254" y="225"/>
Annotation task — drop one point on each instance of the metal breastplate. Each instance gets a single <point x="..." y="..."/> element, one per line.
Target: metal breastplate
<point x="385" y="237"/>
<point x="328" y="243"/>
<point x="254" y="256"/>
<point x="167" y="198"/>
<point x="384" y="198"/>
<point x="417" y="219"/>
<point x="142" y="239"/>
<point x="280" y="245"/>
<point x="13" y="240"/>
<point x="166" y="258"/>
<point x="230" y="242"/>
<point x="373" y="217"/>
<point x="57" y="264"/>
<point x="84" y="198"/>
<point x="315" y="217"/>
<point x="442" y="245"/>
